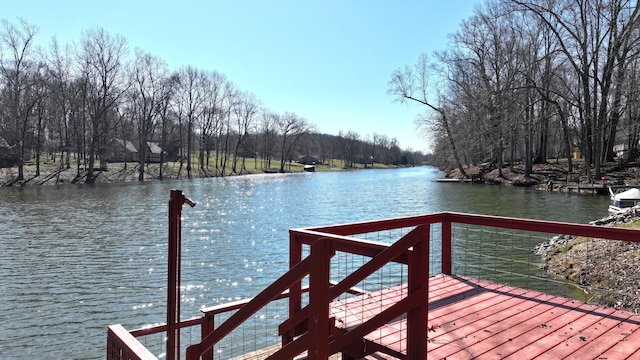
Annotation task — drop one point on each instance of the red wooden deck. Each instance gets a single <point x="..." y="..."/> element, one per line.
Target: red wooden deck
<point x="475" y="319"/>
<point x="466" y="318"/>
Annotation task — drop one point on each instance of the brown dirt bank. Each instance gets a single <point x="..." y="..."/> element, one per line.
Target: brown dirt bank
<point x="556" y="174"/>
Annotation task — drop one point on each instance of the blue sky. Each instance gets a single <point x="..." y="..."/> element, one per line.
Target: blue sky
<point x="327" y="61"/>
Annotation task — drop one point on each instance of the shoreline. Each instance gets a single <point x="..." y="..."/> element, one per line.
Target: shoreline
<point x="551" y="176"/>
<point x="128" y="173"/>
<point x="116" y="173"/>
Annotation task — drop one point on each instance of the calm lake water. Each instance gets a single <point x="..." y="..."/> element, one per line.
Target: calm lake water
<point x="76" y="259"/>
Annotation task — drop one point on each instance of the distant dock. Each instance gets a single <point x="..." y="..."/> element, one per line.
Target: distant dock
<point x="452" y="180"/>
<point x="591" y="188"/>
<point x="600" y="189"/>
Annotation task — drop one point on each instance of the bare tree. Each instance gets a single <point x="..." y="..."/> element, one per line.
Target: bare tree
<point x="349" y="142"/>
<point x="146" y="97"/>
<point x="484" y="76"/>
<point x="17" y="66"/>
<point x="225" y="134"/>
<point x="292" y="130"/>
<point x="595" y="37"/>
<point x="268" y="123"/>
<point x="63" y="96"/>
<point x="245" y="110"/>
<point x="167" y="91"/>
<point x="190" y="101"/>
<point x="217" y="93"/>
<point x="102" y="58"/>
<point x="411" y="83"/>
<point x="39" y="95"/>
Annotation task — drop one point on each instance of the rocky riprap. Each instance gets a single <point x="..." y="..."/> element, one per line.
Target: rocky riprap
<point x="556" y="242"/>
<point x="560" y="241"/>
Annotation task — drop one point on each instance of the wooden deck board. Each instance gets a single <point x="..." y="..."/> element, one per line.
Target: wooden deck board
<point x="627" y="348"/>
<point x="270" y="350"/>
<point x="501" y="339"/>
<point x="471" y="318"/>
<point x="586" y="339"/>
<point x="493" y="329"/>
<point x="554" y="332"/>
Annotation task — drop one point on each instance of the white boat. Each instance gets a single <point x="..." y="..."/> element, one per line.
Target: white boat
<point x="624" y="200"/>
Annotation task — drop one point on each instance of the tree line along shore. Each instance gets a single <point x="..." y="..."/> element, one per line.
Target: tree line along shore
<point x="51" y="173"/>
<point x="94" y="102"/>
<point x="554" y="175"/>
<point x="532" y="81"/>
<point x="520" y="80"/>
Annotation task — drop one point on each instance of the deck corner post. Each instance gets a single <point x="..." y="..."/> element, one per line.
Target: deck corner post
<point x="206" y="327"/>
<point x="446" y="246"/>
<point x="295" y="291"/>
<point x="319" y="297"/>
<point x="418" y="282"/>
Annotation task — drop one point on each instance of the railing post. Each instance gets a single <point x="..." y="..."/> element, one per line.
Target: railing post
<point x="173" y="287"/>
<point x="446" y="246"/>
<point x="295" y="292"/>
<point x="206" y="327"/>
<point x="176" y="201"/>
<point x="418" y="282"/>
<point x="122" y="345"/>
<point x="319" y="300"/>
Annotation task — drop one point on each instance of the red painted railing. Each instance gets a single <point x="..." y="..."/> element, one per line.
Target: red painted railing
<point x="309" y="327"/>
<point x="122" y="345"/>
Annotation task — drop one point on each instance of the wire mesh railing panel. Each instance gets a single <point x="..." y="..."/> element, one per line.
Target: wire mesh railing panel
<point x="577" y="267"/>
<point x="371" y="296"/>
<point x="155" y="343"/>
<point x="381" y="289"/>
<point x="389" y="275"/>
<point x="506" y="257"/>
<point x="393" y="235"/>
<point x="253" y="336"/>
<point x="257" y="333"/>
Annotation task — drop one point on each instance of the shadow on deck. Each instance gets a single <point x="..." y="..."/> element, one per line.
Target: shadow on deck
<point x="475" y="319"/>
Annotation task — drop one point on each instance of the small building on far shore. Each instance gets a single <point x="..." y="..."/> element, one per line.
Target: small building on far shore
<point x="122" y="151"/>
<point x="125" y="151"/>
<point x="154" y="152"/>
